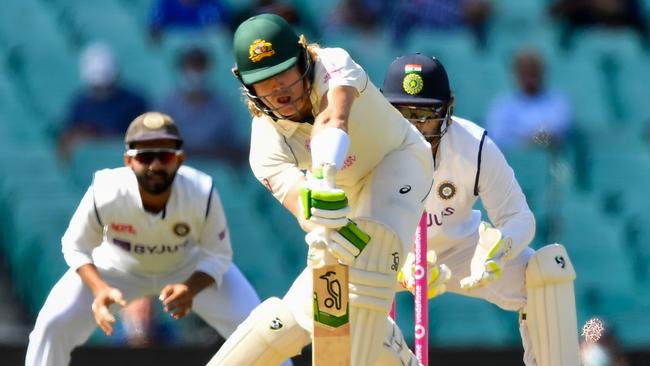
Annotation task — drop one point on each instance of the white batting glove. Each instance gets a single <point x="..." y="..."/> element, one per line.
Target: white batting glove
<point x="490" y="256"/>
<point x="345" y="244"/>
<point x="437" y="275"/>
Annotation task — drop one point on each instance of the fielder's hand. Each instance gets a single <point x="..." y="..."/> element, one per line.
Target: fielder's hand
<point x="176" y="299"/>
<point x="103" y="300"/>
<point x="345" y="244"/>
<point x="323" y="205"/>
<point x="491" y="253"/>
<point x="437" y="275"/>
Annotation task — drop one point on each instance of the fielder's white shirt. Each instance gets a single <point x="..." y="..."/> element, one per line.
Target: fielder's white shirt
<point x="468" y="165"/>
<point x="191" y="229"/>
<point x="280" y="150"/>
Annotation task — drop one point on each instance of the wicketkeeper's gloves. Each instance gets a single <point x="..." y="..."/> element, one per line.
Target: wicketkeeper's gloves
<point x="490" y="256"/>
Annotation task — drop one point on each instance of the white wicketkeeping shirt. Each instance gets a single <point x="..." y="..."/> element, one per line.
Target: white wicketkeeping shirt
<point x="191" y="229"/>
<point x="469" y="165"/>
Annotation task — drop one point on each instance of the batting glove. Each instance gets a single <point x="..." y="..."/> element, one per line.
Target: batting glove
<point x="322" y="205"/>
<point x="345" y="244"/>
<point x="490" y="256"/>
<point x="437" y="275"/>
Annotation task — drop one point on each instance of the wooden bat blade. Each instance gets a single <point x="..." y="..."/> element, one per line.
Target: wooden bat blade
<point x="331" y="337"/>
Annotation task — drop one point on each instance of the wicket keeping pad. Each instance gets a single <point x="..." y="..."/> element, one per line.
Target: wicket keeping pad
<point x="550" y="312"/>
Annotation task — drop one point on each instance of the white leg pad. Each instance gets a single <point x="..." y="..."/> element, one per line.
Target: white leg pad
<point x="267" y="337"/>
<point x="395" y="351"/>
<point x="372" y="288"/>
<point x="550" y="312"/>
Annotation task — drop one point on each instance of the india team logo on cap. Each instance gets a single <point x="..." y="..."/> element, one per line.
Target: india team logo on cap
<point x="446" y="190"/>
<point x="412" y="82"/>
<point x="153" y="121"/>
<point x="260" y="49"/>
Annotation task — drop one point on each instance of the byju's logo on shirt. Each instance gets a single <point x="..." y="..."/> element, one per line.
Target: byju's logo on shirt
<point x="149" y="248"/>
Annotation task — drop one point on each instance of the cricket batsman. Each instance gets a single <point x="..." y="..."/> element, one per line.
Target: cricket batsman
<point x="491" y="263"/>
<point x="310" y="106"/>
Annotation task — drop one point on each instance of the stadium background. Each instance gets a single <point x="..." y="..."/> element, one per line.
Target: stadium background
<point x="591" y="195"/>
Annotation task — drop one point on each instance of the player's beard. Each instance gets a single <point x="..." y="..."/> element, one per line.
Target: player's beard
<point x="155" y="182"/>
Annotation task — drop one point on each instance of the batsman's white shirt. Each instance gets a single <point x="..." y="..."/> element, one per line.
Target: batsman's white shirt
<point x="191" y="228"/>
<point x="470" y="166"/>
<point x="280" y="150"/>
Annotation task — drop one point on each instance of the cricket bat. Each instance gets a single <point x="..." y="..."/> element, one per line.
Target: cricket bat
<point x="331" y="336"/>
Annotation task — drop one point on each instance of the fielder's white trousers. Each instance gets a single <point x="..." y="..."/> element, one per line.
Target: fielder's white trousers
<point x="508" y="292"/>
<point x="66" y="319"/>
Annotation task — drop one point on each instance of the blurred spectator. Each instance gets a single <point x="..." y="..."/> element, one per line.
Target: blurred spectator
<point x="441" y="14"/>
<point x="532" y="115"/>
<point x="104" y="108"/>
<point x="204" y="117"/>
<point x="365" y="15"/>
<point x="283" y="8"/>
<point x="613" y="14"/>
<point x="187" y="14"/>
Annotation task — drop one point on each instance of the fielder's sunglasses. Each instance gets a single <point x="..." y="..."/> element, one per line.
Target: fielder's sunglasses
<point x="147" y="156"/>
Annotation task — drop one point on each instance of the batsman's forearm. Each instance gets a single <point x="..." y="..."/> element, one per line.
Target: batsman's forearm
<point x="91" y="277"/>
<point x="198" y="281"/>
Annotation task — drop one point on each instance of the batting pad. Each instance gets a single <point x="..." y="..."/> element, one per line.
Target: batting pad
<point x="268" y="337"/>
<point x="550" y="311"/>
<point x="372" y="287"/>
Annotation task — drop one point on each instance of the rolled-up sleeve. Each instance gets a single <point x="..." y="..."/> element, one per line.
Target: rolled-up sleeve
<point x="339" y="69"/>
<point x="84" y="233"/>
<point x="272" y="160"/>
<point x="215" y="242"/>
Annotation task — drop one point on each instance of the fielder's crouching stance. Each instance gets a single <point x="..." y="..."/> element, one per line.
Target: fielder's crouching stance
<point x="151" y="227"/>
<point x="495" y="264"/>
<point x="311" y="106"/>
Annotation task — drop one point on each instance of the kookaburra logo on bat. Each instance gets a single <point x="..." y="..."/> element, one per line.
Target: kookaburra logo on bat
<point x="334" y="290"/>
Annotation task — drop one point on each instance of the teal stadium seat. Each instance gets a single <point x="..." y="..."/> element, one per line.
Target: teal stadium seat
<point x="518" y="15"/>
<point x="139" y="63"/>
<point x="620" y="57"/>
<point x="372" y="51"/>
<point x="458" y="321"/>
<point x="618" y="178"/>
<point x="581" y="79"/>
<point x="39" y="57"/>
<point x="92" y="155"/>
<point x="597" y="249"/>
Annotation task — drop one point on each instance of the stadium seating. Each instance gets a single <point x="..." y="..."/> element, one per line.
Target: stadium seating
<point x="588" y="196"/>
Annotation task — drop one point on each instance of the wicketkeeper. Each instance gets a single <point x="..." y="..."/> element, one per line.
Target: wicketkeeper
<point x="489" y="262"/>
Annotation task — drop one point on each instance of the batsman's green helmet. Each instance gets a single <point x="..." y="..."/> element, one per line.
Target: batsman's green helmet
<point x="265" y="45"/>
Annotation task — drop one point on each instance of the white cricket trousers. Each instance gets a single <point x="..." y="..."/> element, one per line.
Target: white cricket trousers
<point x="66" y="319"/>
<point x="508" y="292"/>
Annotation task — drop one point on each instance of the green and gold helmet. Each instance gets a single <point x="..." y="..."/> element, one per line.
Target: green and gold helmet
<point x="265" y="45"/>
